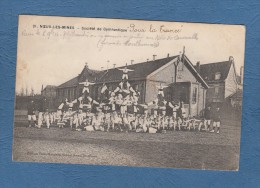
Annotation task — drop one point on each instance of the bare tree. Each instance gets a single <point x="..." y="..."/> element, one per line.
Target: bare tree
<point x="32" y="91"/>
<point x="26" y="92"/>
<point x="22" y="91"/>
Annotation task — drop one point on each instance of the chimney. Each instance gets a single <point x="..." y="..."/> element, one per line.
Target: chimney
<point x="147" y="59"/>
<point x="132" y="61"/>
<point x="231" y="59"/>
<point x="154" y="56"/>
<point x="168" y="55"/>
<point x="114" y="65"/>
<point x="198" y="67"/>
<point x="86" y="65"/>
<point x="107" y="64"/>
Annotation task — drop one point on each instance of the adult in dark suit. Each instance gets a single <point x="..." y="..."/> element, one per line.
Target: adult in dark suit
<point x="216" y="120"/>
<point x="207" y="118"/>
<point x="31" y="113"/>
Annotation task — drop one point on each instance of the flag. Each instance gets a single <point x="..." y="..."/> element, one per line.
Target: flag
<point x="61" y="106"/>
<point x="104" y="88"/>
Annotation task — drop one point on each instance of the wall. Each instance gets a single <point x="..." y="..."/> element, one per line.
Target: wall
<point x="70" y="93"/>
<point x="166" y="76"/>
<point x="49" y="92"/>
<point x="21" y="102"/>
<point x="231" y="85"/>
<point x="214" y="97"/>
<point x="226" y="88"/>
<point x="197" y="106"/>
<point x="202" y="100"/>
<point x="194" y="103"/>
<point x="184" y="74"/>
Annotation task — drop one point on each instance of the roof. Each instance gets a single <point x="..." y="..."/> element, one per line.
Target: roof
<point x="141" y="70"/>
<point x="89" y="74"/>
<point x="70" y="83"/>
<point x="86" y="73"/>
<point x="208" y="71"/>
<point x="50" y="87"/>
<point x="195" y="72"/>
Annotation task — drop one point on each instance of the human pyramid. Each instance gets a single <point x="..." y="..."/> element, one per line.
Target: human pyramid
<point x="120" y="110"/>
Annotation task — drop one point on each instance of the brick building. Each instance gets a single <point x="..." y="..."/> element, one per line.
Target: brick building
<point x="177" y="72"/>
<point x="221" y="78"/>
<point x="49" y="91"/>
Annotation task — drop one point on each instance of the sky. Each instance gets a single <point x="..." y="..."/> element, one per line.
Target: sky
<point x="52" y="50"/>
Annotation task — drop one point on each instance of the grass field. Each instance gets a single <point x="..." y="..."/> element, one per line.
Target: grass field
<point x="175" y="149"/>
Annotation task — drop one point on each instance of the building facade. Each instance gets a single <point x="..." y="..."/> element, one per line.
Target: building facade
<point x="49" y="94"/>
<point x="49" y="91"/>
<point x="72" y="89"/>
<point x="177" y="72"/>
<point x="221" y="78"/>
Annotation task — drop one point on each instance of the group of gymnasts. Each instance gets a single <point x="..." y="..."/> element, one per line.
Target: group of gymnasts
<point x="120" y="110"/>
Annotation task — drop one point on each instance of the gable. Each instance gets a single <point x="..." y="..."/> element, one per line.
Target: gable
<point x="197" y="75"/>
<point x="89" y="74"/>
<point x="209" y="71"/>
<point x="231" y="84"/>
<point x="164" y="74"/>
<point x="185" y="73"/>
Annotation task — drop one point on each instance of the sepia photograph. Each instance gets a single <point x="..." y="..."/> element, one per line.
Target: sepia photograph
<point x="140" y="93"/>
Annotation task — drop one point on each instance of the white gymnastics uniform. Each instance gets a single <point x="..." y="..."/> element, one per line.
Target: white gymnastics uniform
<point x="40" y="119"/>
<point x="47" y="120"/>
<point x="125" y="73"/>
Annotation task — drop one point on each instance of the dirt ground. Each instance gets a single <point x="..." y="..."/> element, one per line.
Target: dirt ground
<point x="175" y="149"/>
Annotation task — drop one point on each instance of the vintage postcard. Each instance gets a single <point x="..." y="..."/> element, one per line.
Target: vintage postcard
<point x="128" y="92"/>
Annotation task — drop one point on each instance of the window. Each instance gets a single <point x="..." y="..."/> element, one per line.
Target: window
<point x="216" y="91"/>
<point x="69" y="94"/>
<point x="136" y="87"/>
<point x="75" y="92"/>
<point x="216" y="100"/>
<point x="194" y="95"/>
<point x="217" y="76"/>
